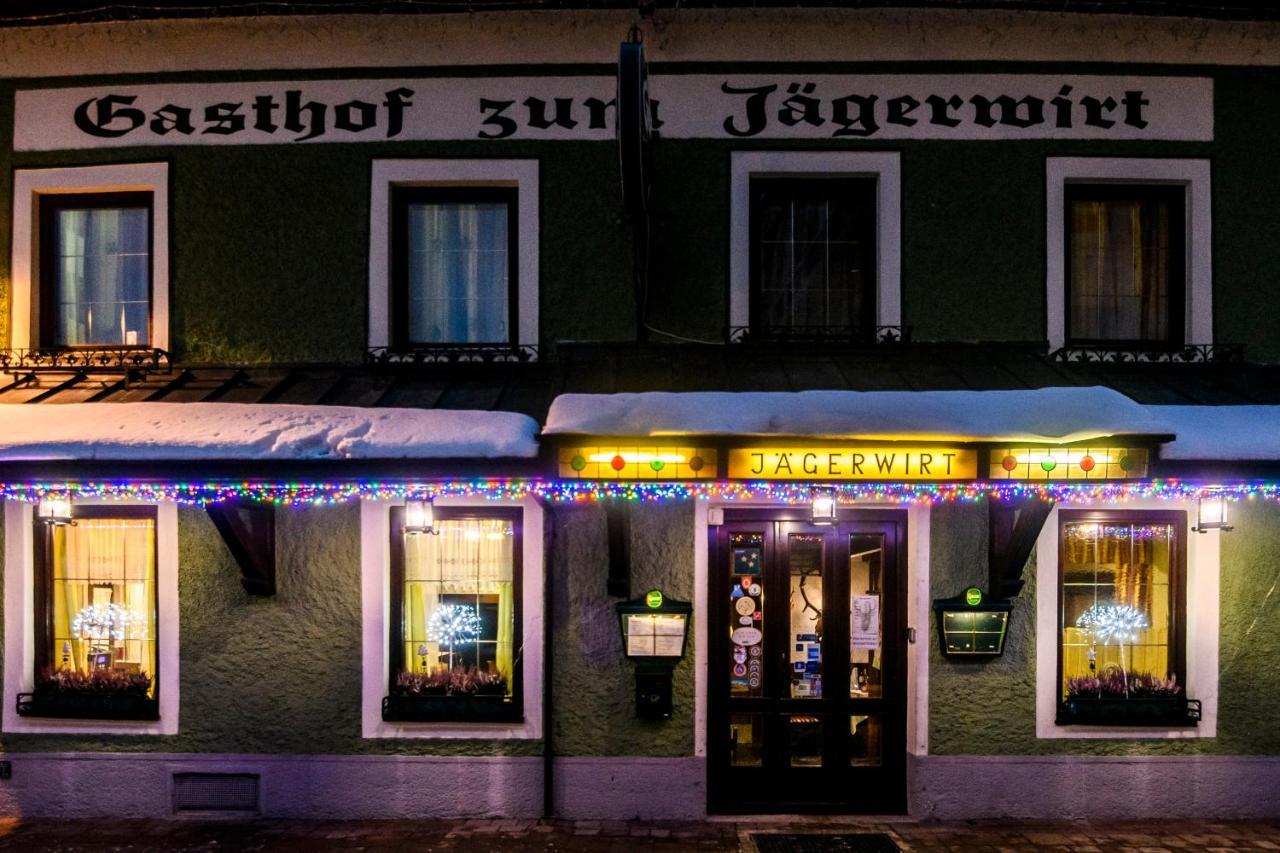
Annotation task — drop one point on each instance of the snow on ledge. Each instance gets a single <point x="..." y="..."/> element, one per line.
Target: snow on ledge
<point x="1221" y="433"/>
<point x="265" y="431"/>
<point x="1042" y="415"/>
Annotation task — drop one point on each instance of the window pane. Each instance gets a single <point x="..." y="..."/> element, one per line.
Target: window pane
<point x="746" y="614"/>
<point x="805" y="563"/>
<point x="804" y="741"/>
<point x="1121" y="262"/>
<point x="102" y="272"/>
<point x="459" y="600"/>
<point x="865" y="736"/>
<point x="458" y="268"/>
<point x="746" y="740"/>
<point x="1117" y="608"/>
<point x="814" y="254"/>
<point x="866" y="618"/>
<point x="103" y="596"/>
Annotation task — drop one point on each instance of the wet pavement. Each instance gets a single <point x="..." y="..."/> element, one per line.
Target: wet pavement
<point x="505" y="836"/>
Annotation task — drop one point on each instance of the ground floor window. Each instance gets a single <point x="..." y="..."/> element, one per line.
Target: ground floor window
<point x="455" y="620"/>
<point x="1122" y="605"/>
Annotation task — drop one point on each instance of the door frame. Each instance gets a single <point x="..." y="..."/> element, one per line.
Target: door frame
<point x="905" y="669"/>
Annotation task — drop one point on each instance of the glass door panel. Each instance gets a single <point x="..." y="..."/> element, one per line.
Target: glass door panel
<point x="866" y="615"/>
<point x="806" y="559"/>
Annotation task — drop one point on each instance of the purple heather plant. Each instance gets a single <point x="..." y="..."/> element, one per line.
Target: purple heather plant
<point x="53" y="680"/>
<point x="459" y="681"/>
<point x="1115" y="685"/>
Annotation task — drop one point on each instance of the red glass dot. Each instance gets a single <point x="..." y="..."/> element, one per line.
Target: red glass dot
<point x="1087" y="464"/>
<point x="695" y="464"/>
<point x="1009" y="463"/>
<point x="618" y="463"/>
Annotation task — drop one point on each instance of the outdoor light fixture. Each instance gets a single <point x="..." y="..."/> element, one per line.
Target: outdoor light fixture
<point x="1211" y="513"/>
<point x="823" y="510"/>
<point x="420" y="517"/>
<point x="55" y="510"/>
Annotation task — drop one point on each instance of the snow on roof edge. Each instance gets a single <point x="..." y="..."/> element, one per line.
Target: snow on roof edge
<point x="257" y="431"/>
<point x="1041" y="415"/>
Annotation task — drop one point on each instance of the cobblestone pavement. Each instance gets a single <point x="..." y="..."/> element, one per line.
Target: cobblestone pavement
<point x="722" y="836"/>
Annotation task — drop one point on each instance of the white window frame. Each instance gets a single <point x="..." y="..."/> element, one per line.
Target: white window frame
<point x="28" y="187"/>
<point x="884" y="166"/>
<point x="1192" y="175"/>
<point x="389" y="174"/>
<point x="375" y="585"/>
<point x="1201" y="594"/>
<point x="20" y="639"/>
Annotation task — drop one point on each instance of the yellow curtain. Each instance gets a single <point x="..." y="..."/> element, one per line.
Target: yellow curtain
<point x="471" y="557"/>
<point x="103" y="574"/>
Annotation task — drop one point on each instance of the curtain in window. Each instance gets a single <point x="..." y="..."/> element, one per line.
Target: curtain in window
<point x="1120" y="269"/>
<point x="102" y="276"/>
<point x="458" y="273"/>
<point x="103" y="589"/>
<point x="468" y="565"/>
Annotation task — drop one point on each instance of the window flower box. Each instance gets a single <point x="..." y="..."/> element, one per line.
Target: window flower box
<point x="440" y="708"/>
<point x="1118" y="711"/>
<point x="89" y="705"/>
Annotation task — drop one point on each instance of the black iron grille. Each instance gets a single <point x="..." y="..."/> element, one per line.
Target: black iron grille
<point x="215" y="792"/>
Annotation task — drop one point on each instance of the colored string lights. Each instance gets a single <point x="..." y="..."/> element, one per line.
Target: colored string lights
<point x="317" y="493"/>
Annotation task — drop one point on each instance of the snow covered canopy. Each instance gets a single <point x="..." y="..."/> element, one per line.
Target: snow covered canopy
<point x="256" y="431"/>
<point x="1053" y="415"/>
<point x="1221" y="433"/>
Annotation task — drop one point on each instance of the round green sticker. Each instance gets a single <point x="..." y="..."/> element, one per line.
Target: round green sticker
<point x="973" y="596"/>
<point x="653" y="598"/>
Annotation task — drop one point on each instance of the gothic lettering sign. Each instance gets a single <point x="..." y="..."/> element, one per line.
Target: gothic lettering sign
<point x="734" y="106"/>
<point x="897" y="462"/>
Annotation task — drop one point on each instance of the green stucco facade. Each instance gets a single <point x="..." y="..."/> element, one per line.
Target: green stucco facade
<point x="258" y="230"/>
<point x="989" y="708"/>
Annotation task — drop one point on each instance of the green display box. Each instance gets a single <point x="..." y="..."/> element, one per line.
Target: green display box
<point x="972" y="626"/>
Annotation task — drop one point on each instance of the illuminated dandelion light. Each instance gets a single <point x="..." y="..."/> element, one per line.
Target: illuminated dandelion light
<point x="1108" y="622"/>
<point x="101" y="622"/>
<point x="452" y="624"/>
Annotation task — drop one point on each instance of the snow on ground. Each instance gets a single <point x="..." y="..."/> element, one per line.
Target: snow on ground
<point x="1246" y="433"/>
<point x="232" y="431"/>
<point x="1045" y="414"/>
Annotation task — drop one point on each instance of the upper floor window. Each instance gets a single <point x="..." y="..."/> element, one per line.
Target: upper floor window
<point x="1129" y="253"/>
<point x="814" y="245"/>
<point x="813" y="254"/>
<point x="95" y="269"/>
<point x="90" y="262"/>
<point x="453" y="258"/>
<point x="454" y="273"/>
<point x="1125" y="261"/>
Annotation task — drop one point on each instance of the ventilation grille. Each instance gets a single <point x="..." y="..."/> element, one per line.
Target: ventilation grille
<point x="215" y="792"/>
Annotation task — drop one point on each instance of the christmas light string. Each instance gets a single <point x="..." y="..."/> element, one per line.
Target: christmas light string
<point x="584" y="491"/>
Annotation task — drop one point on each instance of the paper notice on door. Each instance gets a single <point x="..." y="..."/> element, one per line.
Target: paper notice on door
<point x="864" y="622"/>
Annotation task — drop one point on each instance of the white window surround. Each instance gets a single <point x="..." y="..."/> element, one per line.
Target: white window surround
<point x="1194" y="175"/>
<point x="1201" y="639"/>
<point x="19" y="637"/>
<point x="30" y="184"/>
<point x="882" y="165"/>
<point x="387" y="174"/>
<point x="375" y="585"/>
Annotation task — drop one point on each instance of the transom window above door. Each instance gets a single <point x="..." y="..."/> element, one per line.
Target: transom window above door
<point x="454" y="265"/>
<point x="95" y="269"/>
<point x="813" y="255"/>
<point x="1125" y="264"/>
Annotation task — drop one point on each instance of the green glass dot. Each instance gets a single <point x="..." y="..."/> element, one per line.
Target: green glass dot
<point x="577" y="463"/>
<point x="1048" y="463"/>
<point x="1126" y="463"/>
<point x="657" y="464"/>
